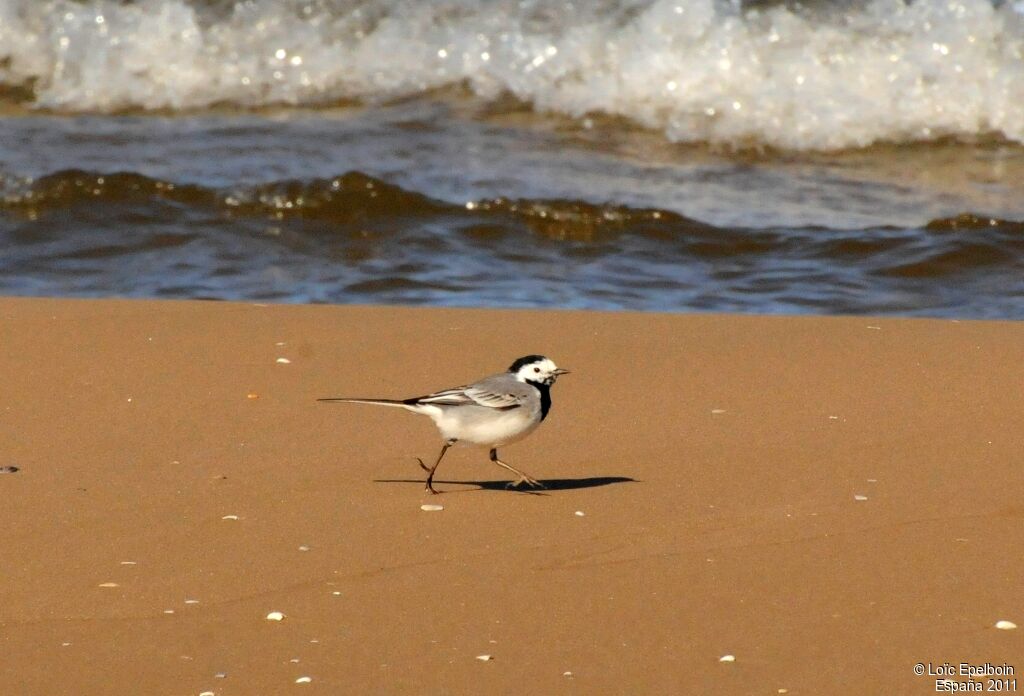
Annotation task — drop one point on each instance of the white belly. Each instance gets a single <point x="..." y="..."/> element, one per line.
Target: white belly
<point x="484" y="426"/>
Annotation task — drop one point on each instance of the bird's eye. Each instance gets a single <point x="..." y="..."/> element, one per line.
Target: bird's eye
<point x="536" y="369"/>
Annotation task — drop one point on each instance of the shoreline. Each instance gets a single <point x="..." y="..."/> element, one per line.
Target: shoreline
<point x="830" y="500"/>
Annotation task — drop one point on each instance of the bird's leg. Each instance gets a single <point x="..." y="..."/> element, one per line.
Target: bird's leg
<point x="431" y="469"/>
<point x="523" y="478"/>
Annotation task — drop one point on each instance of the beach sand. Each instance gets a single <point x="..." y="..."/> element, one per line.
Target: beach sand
<point x="716" y="461"/>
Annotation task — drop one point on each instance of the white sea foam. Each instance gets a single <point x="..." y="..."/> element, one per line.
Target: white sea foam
<point x="697" y="70"/>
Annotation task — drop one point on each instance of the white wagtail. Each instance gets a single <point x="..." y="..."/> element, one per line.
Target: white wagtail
<point x="494" y="411"/>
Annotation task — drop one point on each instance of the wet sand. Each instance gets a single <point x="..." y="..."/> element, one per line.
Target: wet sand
<point x="717" y="462"/>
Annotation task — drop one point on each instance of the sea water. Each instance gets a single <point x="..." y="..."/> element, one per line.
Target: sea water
<point x="844" y="157"/>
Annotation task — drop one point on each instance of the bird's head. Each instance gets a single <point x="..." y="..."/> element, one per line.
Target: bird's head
<point x="536" y="368"/>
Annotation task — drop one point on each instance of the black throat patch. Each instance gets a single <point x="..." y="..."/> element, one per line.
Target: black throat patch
<point x="545" y="397"/>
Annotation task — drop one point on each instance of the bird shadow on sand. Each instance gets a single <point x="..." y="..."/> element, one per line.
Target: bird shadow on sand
<point x="550" y="485"/>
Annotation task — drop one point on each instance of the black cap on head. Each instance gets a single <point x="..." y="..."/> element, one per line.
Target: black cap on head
<point x="525" y="360"/>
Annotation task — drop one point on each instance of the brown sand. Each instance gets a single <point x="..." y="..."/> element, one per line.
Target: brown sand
<point x="704" y="533"/>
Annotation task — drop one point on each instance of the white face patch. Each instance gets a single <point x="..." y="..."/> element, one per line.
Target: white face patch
<point x="540" y="371"/>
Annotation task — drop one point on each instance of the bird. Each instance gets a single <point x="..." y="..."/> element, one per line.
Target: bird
<point x="494" y="411"/>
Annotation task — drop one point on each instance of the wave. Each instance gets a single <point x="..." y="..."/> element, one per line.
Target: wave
<point x="354" y="200"/>
<point x="973" y="221"/>
<point x="356" y="238"/>
<point x="348" y="201"/>
<point x="824" y="76"/>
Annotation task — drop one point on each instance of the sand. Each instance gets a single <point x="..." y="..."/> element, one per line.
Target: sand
<point x="716" y="461"/>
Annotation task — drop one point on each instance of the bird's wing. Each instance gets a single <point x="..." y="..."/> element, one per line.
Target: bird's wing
<point x="494" y="398"/>
<point x="489" y="392"/>
<point x="456" y="396"/>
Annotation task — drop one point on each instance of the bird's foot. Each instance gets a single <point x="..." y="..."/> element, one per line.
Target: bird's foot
<point x="524" y="478"/>
<point x="430" y="476"/>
